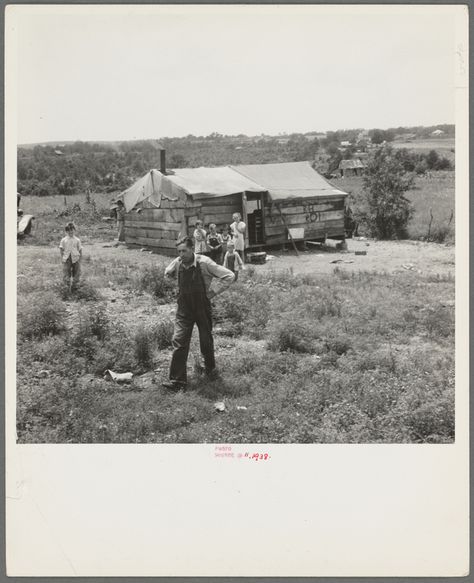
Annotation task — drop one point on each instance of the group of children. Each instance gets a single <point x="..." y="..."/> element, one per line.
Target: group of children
<point x="223" y="247"/>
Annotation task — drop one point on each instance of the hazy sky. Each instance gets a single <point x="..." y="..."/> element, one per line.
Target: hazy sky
<point x="112" y="73"/>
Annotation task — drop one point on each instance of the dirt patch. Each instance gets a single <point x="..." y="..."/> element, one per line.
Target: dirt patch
<point x="382" y="256"/>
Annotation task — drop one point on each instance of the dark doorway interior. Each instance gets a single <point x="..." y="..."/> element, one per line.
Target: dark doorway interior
<point x="255" y="218"/>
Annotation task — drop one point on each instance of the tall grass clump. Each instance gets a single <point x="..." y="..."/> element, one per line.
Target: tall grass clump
<point x="162" y="333"/>
<point x="144" y="348"/>
<point x="153" y="280"/>
<point x="289" y="335"/>
<point x="244" y="310"/>
<point x="41" y="314"/>
<point x="92" y="322"/>
<point x="84" y="291"/>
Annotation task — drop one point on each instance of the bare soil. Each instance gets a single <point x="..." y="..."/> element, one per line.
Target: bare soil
<point x="382" y="256"/>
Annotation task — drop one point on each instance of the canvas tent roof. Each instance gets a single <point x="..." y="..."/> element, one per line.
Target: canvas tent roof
<point x="146" y="187"/>
<point x="282" y="181"/>
<point x="208" y="182"/>
<point x="289" y="180"/>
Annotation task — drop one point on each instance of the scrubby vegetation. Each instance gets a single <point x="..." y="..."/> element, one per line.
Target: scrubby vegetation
<point x="343" y="357"/>
<point x="347" y="357"/>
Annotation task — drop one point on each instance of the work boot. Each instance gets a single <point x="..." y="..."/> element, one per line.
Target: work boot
<point x="173" y="385"/>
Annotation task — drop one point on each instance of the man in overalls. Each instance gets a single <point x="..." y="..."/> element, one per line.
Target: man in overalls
<point x="195" y="274"/>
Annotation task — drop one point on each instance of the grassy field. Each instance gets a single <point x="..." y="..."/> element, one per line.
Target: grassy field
<point x="53" y="212"/>
<point x="444" y="146"/>
<point x="339" y="357"/>
<point x="435" y="191"/>
<point x="309" y="351"/>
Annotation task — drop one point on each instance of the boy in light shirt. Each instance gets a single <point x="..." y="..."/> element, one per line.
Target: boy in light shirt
<point x="70" y="248"/>
<point x="232" y="260"/>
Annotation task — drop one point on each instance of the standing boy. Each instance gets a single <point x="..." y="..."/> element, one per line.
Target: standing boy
<point x="232" y="260"/>
<point x="70" y="248"/>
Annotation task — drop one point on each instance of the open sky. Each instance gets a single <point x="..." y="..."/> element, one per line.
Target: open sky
<point x="113" y="73"/>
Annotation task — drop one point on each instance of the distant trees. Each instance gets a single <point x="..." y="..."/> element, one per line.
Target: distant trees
<point x="385" y="210"/>
<point x="109" y="167"/>
<point x="177" y="161"/>
<point x="380" y="136"/>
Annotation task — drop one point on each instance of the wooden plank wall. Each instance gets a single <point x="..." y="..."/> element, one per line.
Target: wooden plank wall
<point x="160" y="228"/>
<point x="155" y="228"/>
<point x="320" y="217"/>
<point x="218" y="210"/>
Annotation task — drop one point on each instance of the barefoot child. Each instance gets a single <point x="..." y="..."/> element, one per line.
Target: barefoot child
<point x="214" y="244"/>
<point x="226" y="237"/>
<point x="199" y="235"/>
<point x="232" y="260"/>
<point x="70" y="248"/>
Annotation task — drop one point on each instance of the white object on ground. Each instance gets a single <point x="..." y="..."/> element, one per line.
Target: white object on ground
<point x="219" y="406"/>
<point x="241" y="408"/>
<point x="124" y="377"/>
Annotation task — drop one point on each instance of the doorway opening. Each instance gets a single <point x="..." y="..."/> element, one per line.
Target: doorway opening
<point x="255" y="218"/>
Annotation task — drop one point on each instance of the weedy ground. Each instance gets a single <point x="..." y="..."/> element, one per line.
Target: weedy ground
<point x="333" y="355"/>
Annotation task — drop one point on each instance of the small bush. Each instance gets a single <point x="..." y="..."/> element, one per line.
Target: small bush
<point x="162" y="333"/>
<point x="339" y="344"/>
<point x="231" y="310"/>
<point x="290" y="335"/>
<point x="42" y="314"/>
<point x="154" y="281"/>
<point x="434" y="418"/>
<point x="439" y="321"/>
<point x="93" y="322"/>
<point x="84" y="291"/>
<point x="117" y="353"/>
<point x="441" y="234"/>
<point x="144" y="348"/>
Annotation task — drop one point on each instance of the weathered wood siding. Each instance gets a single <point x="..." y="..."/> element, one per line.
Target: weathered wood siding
<point x="155" y="228"/>
<point x="319" y="217"/>
<point x="218" y="210"/>
<point x="159" y="228"/>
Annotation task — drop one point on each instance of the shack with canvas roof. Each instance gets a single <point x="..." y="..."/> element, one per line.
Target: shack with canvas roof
<point x="274" y="200"/>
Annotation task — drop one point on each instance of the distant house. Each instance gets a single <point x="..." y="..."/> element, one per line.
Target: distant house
<point x="283" y="141"/>
<point x="351" y="168"/>
<point x="345" y="144"/>
<point x="437" y="133"/>
<point x="58" y="153"/>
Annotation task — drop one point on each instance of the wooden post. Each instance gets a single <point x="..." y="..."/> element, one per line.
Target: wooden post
<point x="429" y="226"/>
<point x="287" y="229"/>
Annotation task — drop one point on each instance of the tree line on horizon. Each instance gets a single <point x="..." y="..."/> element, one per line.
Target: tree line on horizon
<point x="73" y="167"/>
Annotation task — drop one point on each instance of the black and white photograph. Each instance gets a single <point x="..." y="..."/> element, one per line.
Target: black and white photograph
<point x="237" y="246"/>
<point x="239" y="227"/>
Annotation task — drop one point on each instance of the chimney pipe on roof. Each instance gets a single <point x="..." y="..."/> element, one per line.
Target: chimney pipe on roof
<point x="163" y="161"/>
